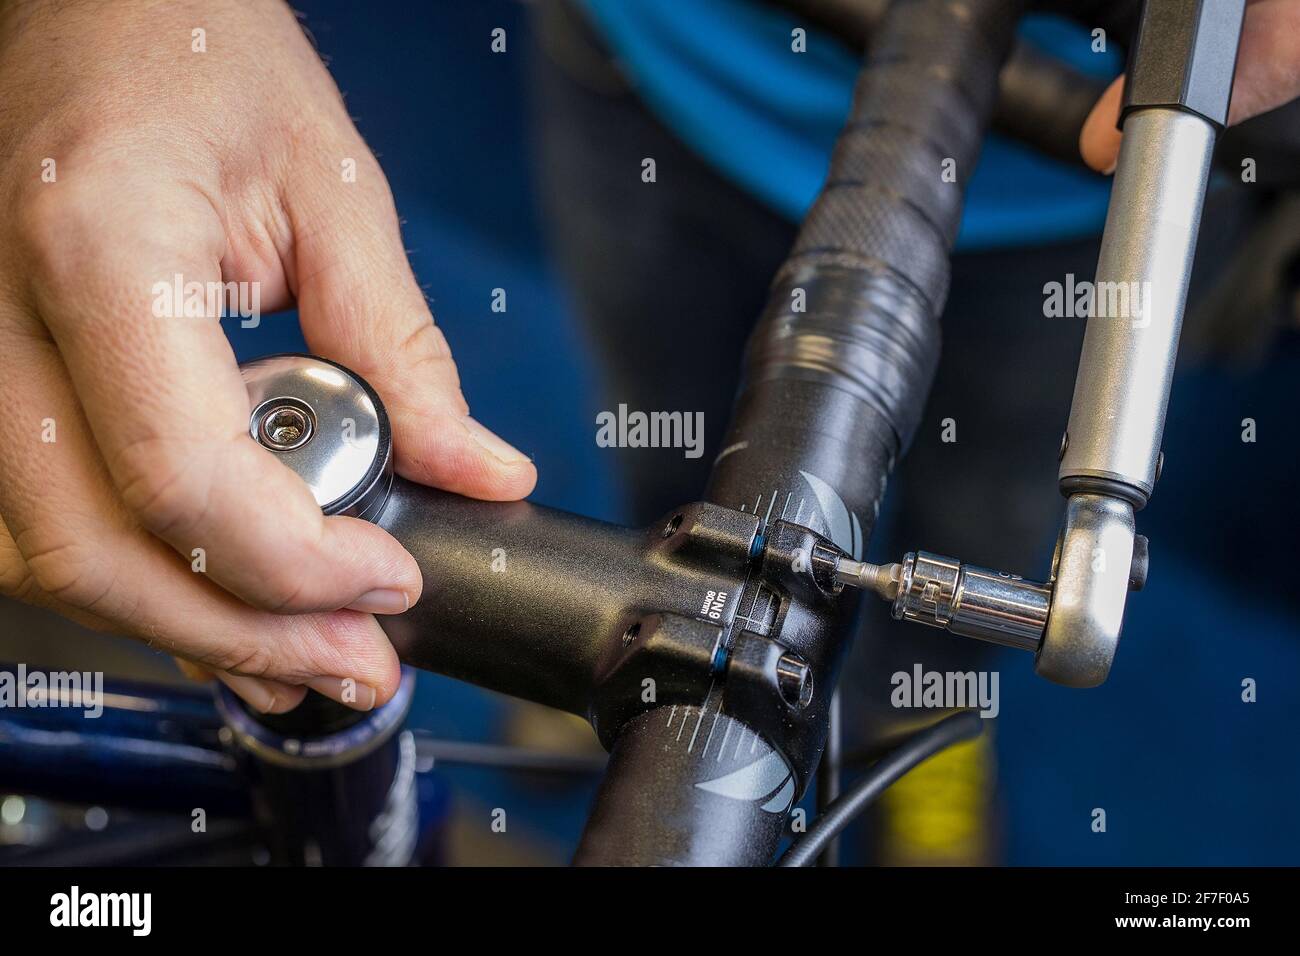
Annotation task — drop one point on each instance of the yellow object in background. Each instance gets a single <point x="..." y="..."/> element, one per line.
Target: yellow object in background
<point x="941" y="813"/>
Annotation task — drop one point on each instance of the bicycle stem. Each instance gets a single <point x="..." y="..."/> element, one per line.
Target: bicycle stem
<point x="639" y="630"/>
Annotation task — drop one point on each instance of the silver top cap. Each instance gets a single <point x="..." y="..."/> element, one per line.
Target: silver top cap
<point x="325" y="423"/>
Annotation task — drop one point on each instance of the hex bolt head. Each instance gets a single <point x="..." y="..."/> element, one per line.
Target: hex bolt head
<point x="284" y="427"/>
<point x="1137" y="575"/>
<point x="794" y="680"/>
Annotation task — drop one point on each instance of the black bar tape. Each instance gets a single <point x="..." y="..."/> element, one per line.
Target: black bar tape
<point x="872" y="254"/>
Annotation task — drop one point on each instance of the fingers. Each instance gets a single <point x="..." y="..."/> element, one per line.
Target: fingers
<point x="82" y="553"/>
<point x="360" y="306"/>
<point x="168" y="409"/>
<point x="269" y="697"/>
<point x="1267" y="75"/>
<point x="1100" y="137"/>
<point x="1268" y="65"/>
<point x="17" y="582"/>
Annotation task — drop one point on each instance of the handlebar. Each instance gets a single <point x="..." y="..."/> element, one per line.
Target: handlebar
<point x="836" y="375"/>
<point x="705" y="649"/>
<point x="1042" y="102"/>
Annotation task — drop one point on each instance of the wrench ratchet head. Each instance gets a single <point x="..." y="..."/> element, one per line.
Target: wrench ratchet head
<point x="1094" y="563"/>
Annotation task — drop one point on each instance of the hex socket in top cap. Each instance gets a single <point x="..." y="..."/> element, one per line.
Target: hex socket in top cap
<point x="328" y="425"/>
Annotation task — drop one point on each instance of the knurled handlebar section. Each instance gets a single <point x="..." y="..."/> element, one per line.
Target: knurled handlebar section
<point x="836" y="374"/>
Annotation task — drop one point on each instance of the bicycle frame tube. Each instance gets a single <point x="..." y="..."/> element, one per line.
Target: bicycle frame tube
<point x="146" y="733"/>
<point x="349" y="796"/>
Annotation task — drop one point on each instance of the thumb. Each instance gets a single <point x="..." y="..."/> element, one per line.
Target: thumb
<point x="359" y="305"/>
<point x="1100" y="137"/>
<point x="1267" y="76"/>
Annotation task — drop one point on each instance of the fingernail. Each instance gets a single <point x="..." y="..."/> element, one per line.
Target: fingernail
<point x="193" y="671"/>
<point x="381" y="601"/>
<point x="258" y="695"/>
<point x="346" y="691"/>
<point x="1111" y="168"/>
<point x="494" y="444"/>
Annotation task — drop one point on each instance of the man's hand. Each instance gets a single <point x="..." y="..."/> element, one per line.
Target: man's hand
<point x="136" y="148"/>
<point x="1268" y="75"/>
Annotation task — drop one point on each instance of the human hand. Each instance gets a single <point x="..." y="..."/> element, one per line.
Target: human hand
<point x="132" y="156"/>
<point x="1268" y="75"/>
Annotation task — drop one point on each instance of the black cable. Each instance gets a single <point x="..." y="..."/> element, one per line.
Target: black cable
<point x="966" y="725"/>
<point x="828" y="774"/>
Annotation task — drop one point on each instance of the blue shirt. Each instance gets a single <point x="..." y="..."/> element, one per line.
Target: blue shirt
<point x="722" y="74"/>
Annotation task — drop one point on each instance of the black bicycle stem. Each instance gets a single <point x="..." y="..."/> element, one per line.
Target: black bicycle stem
<point x="705" y="648"/>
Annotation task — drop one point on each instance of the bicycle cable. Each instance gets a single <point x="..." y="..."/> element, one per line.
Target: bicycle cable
<point x="966" y="725"/>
